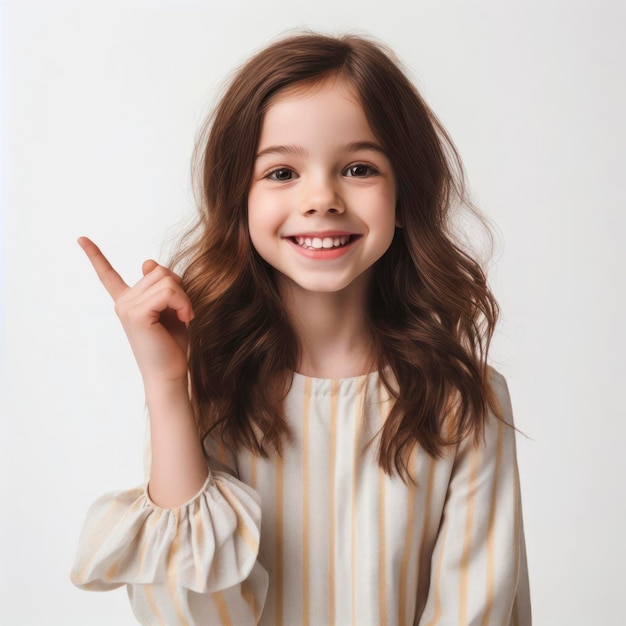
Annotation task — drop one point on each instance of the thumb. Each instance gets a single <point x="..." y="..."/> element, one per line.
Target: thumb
<point x="148" y="266"/>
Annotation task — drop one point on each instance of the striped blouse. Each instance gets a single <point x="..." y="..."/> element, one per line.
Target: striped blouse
<point x="340" y="543"/>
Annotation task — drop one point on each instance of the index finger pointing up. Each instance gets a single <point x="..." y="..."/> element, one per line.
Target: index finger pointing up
<point x="111" y="280"/>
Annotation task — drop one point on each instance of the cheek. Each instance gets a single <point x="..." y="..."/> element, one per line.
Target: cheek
<point x="385" y="224"/>
<point x="253" y="218"/>
<point x="383" y="215"/>
<point x="262" y="221"/>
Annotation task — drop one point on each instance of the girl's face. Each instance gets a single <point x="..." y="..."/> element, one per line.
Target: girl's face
<point x="321" y="205"/>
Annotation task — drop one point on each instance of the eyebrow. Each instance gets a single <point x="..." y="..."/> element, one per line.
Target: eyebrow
<point x="355" y="146"/>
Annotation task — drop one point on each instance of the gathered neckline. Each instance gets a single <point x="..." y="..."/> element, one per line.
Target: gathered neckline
<point x="337" y="380"/>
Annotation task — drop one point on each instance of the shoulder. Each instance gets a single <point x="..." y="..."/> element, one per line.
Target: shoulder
<point x="501" y="395"/>
<point x="496" y="380"/>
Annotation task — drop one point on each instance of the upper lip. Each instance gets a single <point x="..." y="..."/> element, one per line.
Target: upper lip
<point x="322" y="233"/>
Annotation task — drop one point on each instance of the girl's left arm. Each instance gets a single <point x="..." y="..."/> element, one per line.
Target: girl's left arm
<point x="478" y="571"/>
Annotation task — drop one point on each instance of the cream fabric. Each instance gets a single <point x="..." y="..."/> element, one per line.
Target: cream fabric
<point x="340" y="542"/>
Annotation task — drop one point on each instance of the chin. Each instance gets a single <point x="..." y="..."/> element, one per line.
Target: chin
<point x="322" y="286"/>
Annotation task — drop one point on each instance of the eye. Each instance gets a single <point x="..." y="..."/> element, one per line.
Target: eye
<point x="280" y="174"/>
<point x="360" y="170"/>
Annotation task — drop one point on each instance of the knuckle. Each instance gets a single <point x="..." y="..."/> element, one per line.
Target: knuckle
<point x="169" y="291"/>
<point x="160" y="271"/>
<point x="171" y="283"/>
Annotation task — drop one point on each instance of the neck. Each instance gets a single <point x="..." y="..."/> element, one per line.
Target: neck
<point x="332" y="329"/>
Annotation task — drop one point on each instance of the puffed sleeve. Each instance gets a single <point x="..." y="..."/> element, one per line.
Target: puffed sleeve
<point x="478" y="573"/>
<point x="194" y="564"/>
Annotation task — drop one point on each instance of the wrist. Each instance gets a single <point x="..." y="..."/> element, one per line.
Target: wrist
<point x="166" y="392"/>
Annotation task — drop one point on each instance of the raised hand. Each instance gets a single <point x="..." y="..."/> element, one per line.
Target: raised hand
<point x="154" y="314"/>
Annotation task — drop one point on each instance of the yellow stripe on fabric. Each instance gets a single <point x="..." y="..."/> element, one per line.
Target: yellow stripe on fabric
<point x="278" y="566"/>
<point x="408" y="548"/>
<point x="109" y="575"/>
<point x="172" y="571"/>
<point x="248" y="595"/>
<point x="358" y="423"/>
<point x="79" y="578"/>
<point x="147" y="531"/>
<point x="422" y="557"/>
<point x="198" y="548"/>
<point x="242" y="529"/>
<point x="467" y="541"/>
<point x="174" y="591"/>
<point x="437" y="582"/>
<point x="382" y="530"/>
<point x="334" y="393"/>
<point x="491" y="541"/>
<point x="152" y="604"/>
<point x="222" y="608"/>
<point x="306" y="565"/>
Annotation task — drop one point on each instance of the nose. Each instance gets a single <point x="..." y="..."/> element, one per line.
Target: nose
<point x="322" y="196"/>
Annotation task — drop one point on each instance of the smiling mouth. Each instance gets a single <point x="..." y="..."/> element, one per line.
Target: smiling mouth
<point x="324" y="243"/>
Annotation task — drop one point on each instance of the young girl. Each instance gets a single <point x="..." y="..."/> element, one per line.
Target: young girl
<point x="328" y="444"/>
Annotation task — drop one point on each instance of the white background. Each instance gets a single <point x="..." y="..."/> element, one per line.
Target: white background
<point x="100" y="104"/>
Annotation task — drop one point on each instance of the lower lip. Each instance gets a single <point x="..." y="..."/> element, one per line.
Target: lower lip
<point x="324" y="254"/>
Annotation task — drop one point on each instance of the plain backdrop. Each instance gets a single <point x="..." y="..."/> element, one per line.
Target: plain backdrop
<point x="101" y="102"/>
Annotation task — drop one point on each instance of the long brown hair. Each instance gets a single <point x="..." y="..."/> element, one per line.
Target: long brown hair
<point x="430" y="310"/>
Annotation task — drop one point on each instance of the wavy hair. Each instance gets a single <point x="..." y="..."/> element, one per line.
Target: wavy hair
<point x="430" y="310"/>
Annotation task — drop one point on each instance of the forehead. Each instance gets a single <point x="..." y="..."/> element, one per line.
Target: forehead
<point x="315" y="110"/>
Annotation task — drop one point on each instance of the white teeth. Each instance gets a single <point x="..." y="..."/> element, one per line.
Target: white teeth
<point x="317" y="243"/>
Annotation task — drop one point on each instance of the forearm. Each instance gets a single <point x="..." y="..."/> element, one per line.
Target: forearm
<point x="178" y="468"/>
